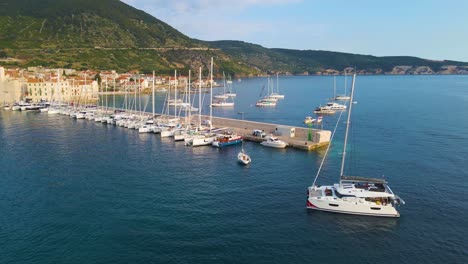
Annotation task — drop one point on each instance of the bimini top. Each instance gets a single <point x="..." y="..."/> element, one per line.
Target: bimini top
<point x="362" y="179"/>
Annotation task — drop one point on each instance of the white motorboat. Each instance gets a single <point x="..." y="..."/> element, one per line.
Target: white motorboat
<point x="324" y="110"/>
<point x="336" y="106"/>
<point x="309" y="120"/>
<point x="353" y="195"/>
<point x="273" y="142"/>
<point x="243" y="158"/>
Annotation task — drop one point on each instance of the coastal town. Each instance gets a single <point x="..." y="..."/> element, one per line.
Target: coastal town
<point x="38" y="84"/>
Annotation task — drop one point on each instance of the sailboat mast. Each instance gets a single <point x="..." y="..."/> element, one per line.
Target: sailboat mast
<point x="113" y="92"/>
<point x="175" y="94"/>
<point x="334" y="87"/>
<point x="345" y="82"/>
<point x="347" y="128"/>
<point x="277" y="83"/>
<point x="211" y="95"/>
<point x="199" y="98"/>
<point x="153" y="95"/>
<point x="189" y="100"/>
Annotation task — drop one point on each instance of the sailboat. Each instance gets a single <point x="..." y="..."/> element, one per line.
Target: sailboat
<point x="353" y="194"/>
<point x="209" y="137"/>
<point x="343" y="97"/>
<point x="267" y="100"/>
<point x="276" y="94"/>
<point x="222" y="99"/>
<point x="243" y="157"/>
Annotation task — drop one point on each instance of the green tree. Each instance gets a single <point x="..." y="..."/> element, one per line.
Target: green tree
<point x="98" y="78"/>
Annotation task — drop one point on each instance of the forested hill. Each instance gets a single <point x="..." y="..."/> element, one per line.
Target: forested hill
<point x="109" y="34"/>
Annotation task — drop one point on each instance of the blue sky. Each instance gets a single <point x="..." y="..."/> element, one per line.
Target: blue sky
<point x="429" y="29"/>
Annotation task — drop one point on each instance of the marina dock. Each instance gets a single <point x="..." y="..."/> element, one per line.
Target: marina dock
<point x="318" y="137"/>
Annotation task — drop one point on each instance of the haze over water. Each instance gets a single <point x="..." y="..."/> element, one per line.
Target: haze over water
<point x="76" y="191"/>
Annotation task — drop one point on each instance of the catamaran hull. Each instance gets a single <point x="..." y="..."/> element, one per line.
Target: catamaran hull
<point x="347" y="207"/>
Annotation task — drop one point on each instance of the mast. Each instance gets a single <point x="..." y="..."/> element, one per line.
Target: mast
<point x="334" y="87"/>
<point x="58" y="84"/>
<point x="211" y="96"/>
<point x="153" y="95"/>
<point x="199" y="98"/>
<point x="345" y="82"/>
<point x="135" y="96"/>
<point x="113" y="92"/>
<point x="347" y="128"/>
<point x="175" y="94"/>
<point x="107" y="90"/>
<point x="277" y="83"/>
<point x="189" y="99"/>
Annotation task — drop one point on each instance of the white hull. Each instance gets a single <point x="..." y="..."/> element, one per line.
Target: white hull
<point x="243" y="158"/>
<point x="351" y="205"/>
<point x="179" y="137"/>
<point x="342" y="97"/>
<point x="203" y="141"/>
<point x="273" y="142"/>
<point x="222" y="105"/>
<point x="274" y="145"/>
<point x="145" y="129"/>
<point x="265" y="104"/>
<point x="277" y="96"/>
<point x="167" y="133"/>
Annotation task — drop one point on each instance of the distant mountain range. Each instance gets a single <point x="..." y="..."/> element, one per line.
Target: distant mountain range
<point x="109" y="34"/>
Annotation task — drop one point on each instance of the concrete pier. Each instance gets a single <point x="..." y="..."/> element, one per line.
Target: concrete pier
<point x="300" y="140"/>
<point x="319" y="138"/>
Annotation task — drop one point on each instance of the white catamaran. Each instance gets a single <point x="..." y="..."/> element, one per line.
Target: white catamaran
<point x="353" y="195"/>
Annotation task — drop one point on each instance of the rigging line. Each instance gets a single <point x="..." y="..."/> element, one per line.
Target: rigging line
<point x="328" y="148"/>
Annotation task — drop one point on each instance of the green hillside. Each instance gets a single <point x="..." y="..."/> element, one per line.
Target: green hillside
<point x="109" y="34"/>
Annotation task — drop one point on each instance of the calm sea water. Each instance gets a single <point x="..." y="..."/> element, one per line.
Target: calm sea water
<point x="73" y="191"/>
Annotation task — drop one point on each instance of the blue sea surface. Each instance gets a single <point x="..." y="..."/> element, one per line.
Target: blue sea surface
<point x="76" y="191"/>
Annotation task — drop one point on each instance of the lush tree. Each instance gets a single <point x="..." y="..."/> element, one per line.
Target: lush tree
<point x="97" y="78"/>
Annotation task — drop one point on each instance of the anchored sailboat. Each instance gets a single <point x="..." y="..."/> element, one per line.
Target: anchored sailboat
<point x="353" y="195"/>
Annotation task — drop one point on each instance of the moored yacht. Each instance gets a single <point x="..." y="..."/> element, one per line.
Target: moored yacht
<point x="324" y="110"/>
<point x="227" y="140"/>
<point x="273" y="142"/>
<point x="336" y="106"/>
